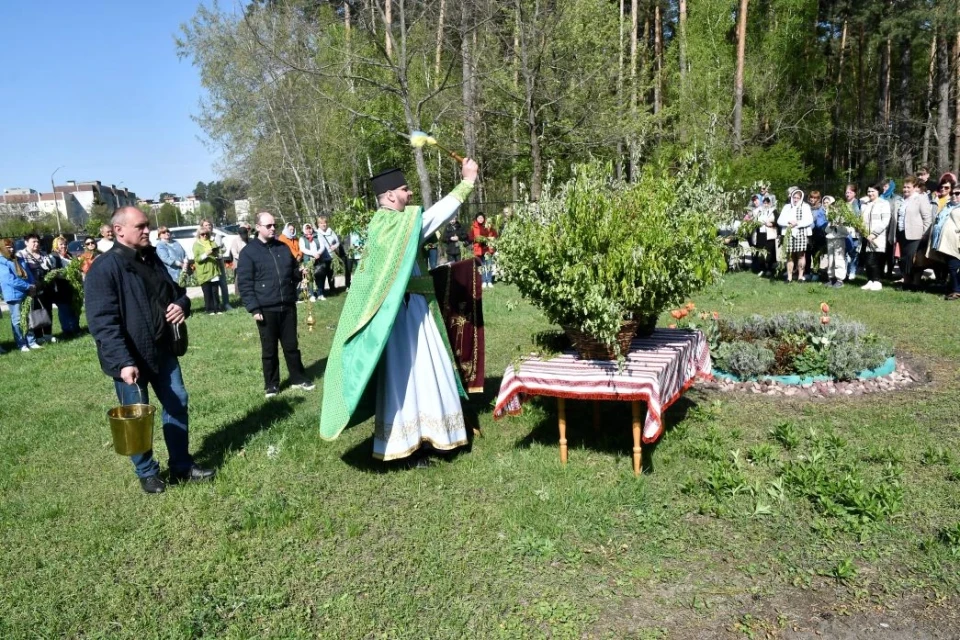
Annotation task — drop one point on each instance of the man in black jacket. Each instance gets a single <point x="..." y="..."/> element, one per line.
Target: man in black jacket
<point x="267" y="278"/>
<point x="131" y="301"/>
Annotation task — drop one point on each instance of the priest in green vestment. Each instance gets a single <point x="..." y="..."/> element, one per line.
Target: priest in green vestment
<point x="390" y="325"/>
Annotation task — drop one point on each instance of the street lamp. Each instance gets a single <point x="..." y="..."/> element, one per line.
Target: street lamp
<point x="56" y="205"/>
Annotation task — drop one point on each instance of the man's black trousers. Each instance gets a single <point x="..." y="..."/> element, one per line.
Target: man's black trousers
<point x="280" y="326"/>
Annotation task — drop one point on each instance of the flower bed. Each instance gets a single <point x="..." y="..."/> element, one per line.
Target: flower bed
<point x="795" y="348"/>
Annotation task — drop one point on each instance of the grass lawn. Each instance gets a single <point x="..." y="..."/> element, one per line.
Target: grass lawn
<point x="762" y="516"/>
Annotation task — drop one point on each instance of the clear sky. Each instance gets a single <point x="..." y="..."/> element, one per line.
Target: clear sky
<point x="96" y="86"/>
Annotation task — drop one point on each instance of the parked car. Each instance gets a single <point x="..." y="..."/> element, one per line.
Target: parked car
<point x="186" y="236"/>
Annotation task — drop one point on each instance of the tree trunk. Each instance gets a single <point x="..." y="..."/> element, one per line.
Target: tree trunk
<point x="834" y="151"/>
<point x="515" y="125"/>
<point x="738" y="79"/>
<point x="903" y="142"/>
<point x="943" y="106"/>
<point x="861" y="151"/>
<point x="658" y="60"/>
<point x="632" y="143"/>
<point x="388" y="27"/>
<point x="928" y="103"/>
<point x="621" y="99"/>
<point x="956" y="123"/>
<point x="682" y="26"/>
<point x="436" y="64"/>
<point x="883" y="100"/>
<point x="469" y="83"/>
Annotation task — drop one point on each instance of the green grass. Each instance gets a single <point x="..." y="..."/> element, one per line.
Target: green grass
<point x="853" y="500"/>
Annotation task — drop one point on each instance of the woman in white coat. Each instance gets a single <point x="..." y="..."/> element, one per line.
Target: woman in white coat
<point x="876" y="218"/>
<point x="797" y="217"/>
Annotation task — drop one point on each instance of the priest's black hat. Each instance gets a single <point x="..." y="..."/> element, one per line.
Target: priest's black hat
<point x="387" y="181"/>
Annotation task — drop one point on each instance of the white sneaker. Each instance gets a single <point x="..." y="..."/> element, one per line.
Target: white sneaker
<point x="25" y="349"/>
<point x="877" y="286"/>
<point x="868" y="286"/>
<point x="35" y="345"/>
<point x="313" y="298"/>
<point x="320" y="298"/>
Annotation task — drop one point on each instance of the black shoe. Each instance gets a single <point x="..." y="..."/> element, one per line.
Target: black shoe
<point x="195" y="474"/>
<point x="153" y="484"/>
<point x="270" y="392"/>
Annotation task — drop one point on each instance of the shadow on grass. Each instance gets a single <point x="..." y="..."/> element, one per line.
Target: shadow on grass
<point x="233" y="435"/>
<point x="615" y="430"/>
<point x="315" y="370"/>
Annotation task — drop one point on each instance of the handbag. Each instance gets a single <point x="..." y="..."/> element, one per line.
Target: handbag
<point x="39" y="318"/>
<point x="177" y="339"/>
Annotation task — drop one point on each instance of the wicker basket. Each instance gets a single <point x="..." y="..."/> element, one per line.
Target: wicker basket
<point x="590" y="348"/>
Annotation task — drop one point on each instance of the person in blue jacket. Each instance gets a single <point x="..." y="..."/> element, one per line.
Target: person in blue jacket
<point x="16" y="283"/>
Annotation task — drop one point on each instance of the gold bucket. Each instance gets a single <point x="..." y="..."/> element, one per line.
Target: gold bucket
<point x="132" y="428"/>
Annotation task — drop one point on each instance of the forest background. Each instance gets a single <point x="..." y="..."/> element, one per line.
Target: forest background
<point x="308" y="98"/>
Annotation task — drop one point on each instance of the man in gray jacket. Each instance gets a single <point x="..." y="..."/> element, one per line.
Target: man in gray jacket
<point x="914" y="218"/>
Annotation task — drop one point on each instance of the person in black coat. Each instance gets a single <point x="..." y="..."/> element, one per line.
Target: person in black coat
<point x="453" y="236"/>
<point x="268" y="278"/>
<point x="132" y="304"/>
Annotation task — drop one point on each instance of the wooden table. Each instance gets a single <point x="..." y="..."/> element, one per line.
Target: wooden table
<point x="657" y="370"/>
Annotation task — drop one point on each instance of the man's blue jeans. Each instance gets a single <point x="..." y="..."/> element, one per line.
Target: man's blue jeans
<point x="18" y="337"/>
<point x="168" y="385"/>
<point x="432" y="258"/>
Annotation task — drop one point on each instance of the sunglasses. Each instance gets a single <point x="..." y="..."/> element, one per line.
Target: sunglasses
<point x="268" y="226"/>
<point x="90" y="244"/>
<point x="955" y="193"/>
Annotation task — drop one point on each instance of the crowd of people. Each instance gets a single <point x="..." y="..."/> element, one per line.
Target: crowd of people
<point x="909" y="239"/>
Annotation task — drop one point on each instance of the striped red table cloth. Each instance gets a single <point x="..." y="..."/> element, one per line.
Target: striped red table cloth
<point x="657" y="371"/>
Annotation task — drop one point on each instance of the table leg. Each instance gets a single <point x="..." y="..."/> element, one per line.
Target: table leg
<point x="637" y="444"/>
<point x="562" y="420"/>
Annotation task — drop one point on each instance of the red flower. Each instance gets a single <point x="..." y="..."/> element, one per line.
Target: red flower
<point x="716" y="316"/>
<point x="676" y="314"/>
<point x="683" y="313"/>
<point x="824" y="319"/>
<point x="691" y="306"/>
<point x="824" y="307"/>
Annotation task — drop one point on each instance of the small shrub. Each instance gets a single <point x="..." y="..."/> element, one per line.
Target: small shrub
<point x="935" y="455"/>
<point x="724" y="480"/>
<point x="884" y="455"/>
<point x="744" y="359"/>
<point x="950" y="536"/>
<point x="761" y="453"/>
<point x="786" y="434"/>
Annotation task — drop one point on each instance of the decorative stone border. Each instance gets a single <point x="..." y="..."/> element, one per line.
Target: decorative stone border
<point x="903" y="376"/>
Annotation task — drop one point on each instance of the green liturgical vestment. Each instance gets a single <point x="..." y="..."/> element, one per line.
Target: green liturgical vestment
<point x="376" y="293"/>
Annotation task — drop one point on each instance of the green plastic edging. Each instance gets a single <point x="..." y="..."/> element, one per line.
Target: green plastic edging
<point x="885" y="369"/>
